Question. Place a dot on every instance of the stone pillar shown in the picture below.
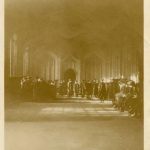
(13, 56)
(57, 68)
(52, 72)
(48, 71)
(26, 62)
(83, 71)
(78, 71)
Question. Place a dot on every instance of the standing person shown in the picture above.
(115, 90)
(35, 89)
(102, 94)
(107, 89)
(83, 88)
(76, 88)
(64, 88)
(52, 87)
(22, 86)
(70, 87)
(29, 88)
(89, 89)
(39, 88)
(110, 91)
(61, 88)
(95, 88)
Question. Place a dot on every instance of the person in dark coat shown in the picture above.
(61, 91)
(115, 90)
(83, 88)
(95, 88)
(52, 87)
(89, 89)
(70, 87)
(35, 90)
(102, 94)
(64, 87)
(76, 88)
(110, 91)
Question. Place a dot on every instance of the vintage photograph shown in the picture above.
(73, 74)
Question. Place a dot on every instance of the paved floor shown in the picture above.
(31, 111)
(71, 125)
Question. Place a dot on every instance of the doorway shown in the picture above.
(70, 74)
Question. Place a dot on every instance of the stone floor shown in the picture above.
(71, 125)
(32, 111)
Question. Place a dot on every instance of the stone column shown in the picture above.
(57, 68)
(47, 71)
(78, 71)
(52, 65)
(13, 56)
(26, 62)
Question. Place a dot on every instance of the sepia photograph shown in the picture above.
(74, 74)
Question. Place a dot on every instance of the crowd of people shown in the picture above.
(37, 88)
(124, 94)
(128, 97)
(86, 88)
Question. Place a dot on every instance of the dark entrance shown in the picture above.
(70, 74)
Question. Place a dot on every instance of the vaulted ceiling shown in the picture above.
(75, 25)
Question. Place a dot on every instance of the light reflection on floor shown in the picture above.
(39, 111)
(92, 108)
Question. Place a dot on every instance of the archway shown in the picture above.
(70, 74)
